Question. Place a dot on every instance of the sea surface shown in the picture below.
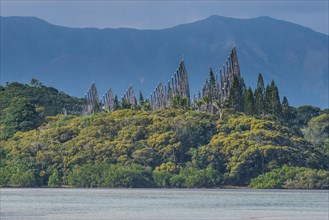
(44, 203)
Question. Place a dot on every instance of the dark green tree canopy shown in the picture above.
(272, 100)
(212, 84)
(249, 102)
(20, 115)
(260, 83)
(141, 98)
(235, 97)
(259, 96)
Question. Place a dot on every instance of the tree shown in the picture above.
(272, 100)
(116, 103)
(48, 101)
(20, 116)
(146, 106)
(97, 107)
(15, 173)
(212, 84)
(288, 112)
(179, 102)
(285, 107)
(317, 132)
(259, 96)
(219, 105)
(305, 113)
(54, 179)
(141, 98)
(198, 103)
(260, 83)
(35, 82)
(235, 97)
(125, 104)
(135, 105)
(249, 102)
(207, 101)
(292, 178)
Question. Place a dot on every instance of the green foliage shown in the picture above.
(163, 174)
(141, 98)
(179, 102)
(20, 115)
(55, 179)
(187, 177)
(17, 174)
(235, 97)
(249, 102)
(146, 106)
(109, 175)
(289, 113)
(192, 177)
(35, 82)
(212, 84)
(259, 96)
(317, 132)
(305, 113)
(208, 102)
(48, 101)
(219, 107)
(272, 100)
(125, 104)
(292, 178)
(121, 137)
(116, 103)
(252, 146)
(171, 147)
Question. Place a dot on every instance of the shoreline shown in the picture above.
(228, 187)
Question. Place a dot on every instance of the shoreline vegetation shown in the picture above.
(74, 187)
(279, 147)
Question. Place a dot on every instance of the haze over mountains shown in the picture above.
(70, 59)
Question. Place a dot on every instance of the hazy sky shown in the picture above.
(161, 14)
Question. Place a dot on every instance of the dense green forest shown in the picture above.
(23, 107)
(253, 139)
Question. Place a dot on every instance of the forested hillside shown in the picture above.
(170, 147)
(24, 107)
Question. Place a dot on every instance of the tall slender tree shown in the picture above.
(287, 111)
(272, 100)
(141, 98)
(259, 96)
(135, 105)
(116, 103)
(260, 82)
(267, 99)
(235, 97)
(249, 102)
(285, 105)
(212, 85)
(212, 91)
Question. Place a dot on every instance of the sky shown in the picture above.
(163, 14)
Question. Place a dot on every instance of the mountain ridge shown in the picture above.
(121, 56)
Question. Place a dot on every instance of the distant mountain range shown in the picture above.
(69, 59)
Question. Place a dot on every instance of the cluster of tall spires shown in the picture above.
(108, 101)
(224, 79)
(178, 85)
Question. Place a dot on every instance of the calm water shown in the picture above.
(163, 204)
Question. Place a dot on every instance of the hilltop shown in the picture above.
(169, 147)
